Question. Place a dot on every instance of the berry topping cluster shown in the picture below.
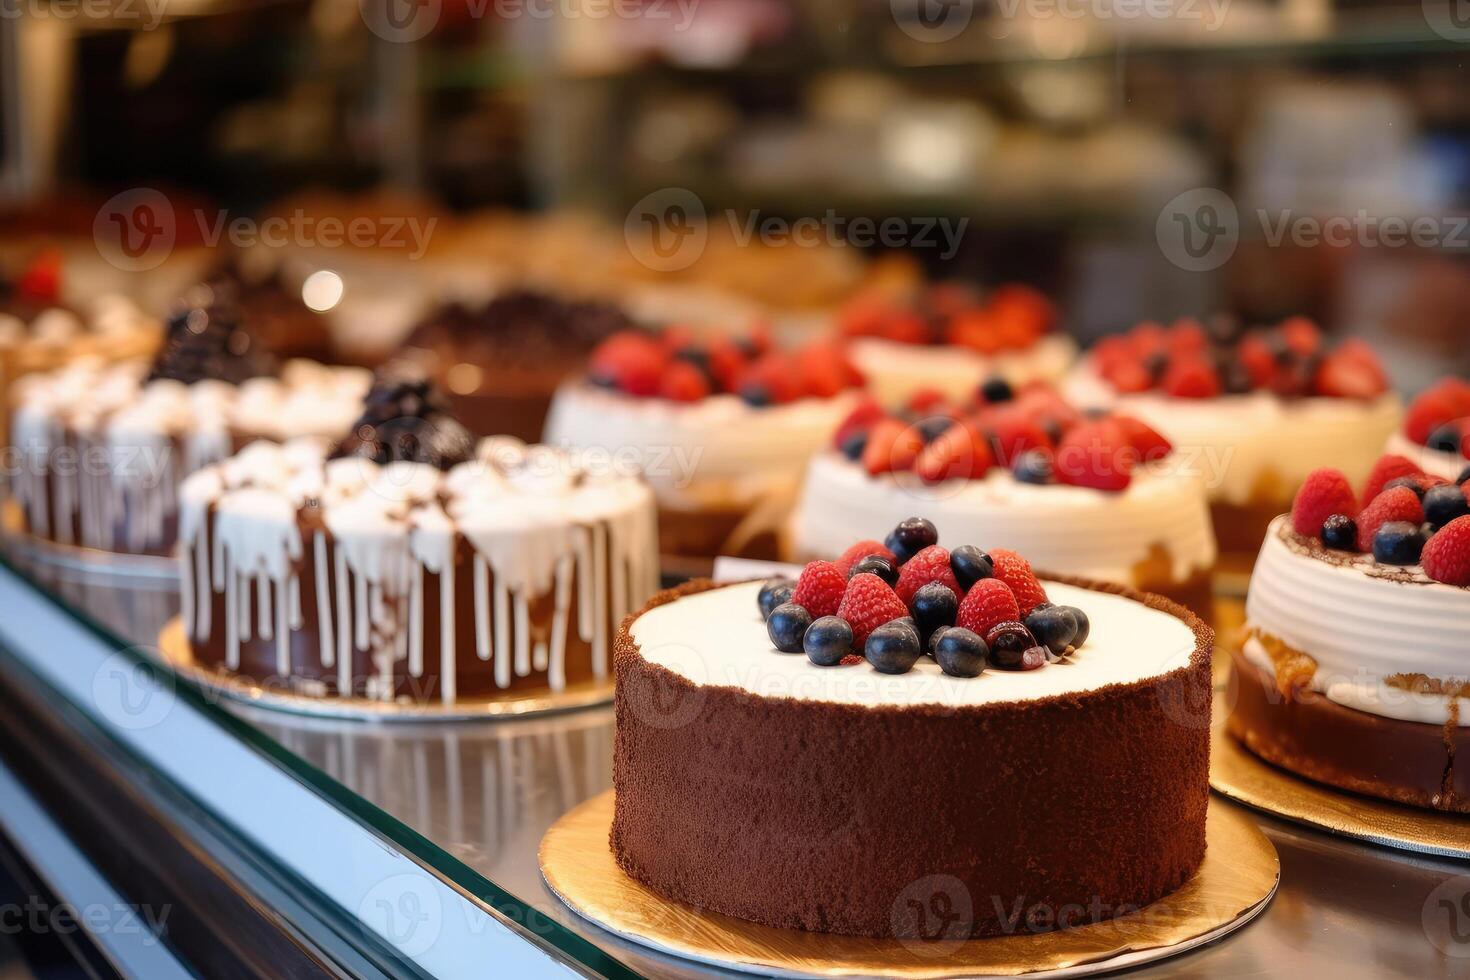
(676, 366)
(37, 285)
(406, 419)
(1440, 418)
(1403, 517)
(1032, 432)
(1191, 360)
(208, 338)
(1007, 318)
(908, 597)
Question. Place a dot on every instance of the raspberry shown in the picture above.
(959, 453)
(631, 361)
(819, 589)
(1443, 402)
(929, 565)
(41, 280)
(1096, 454)
(867, 604)
(822, 369)
(1016, 431)
(1350, 374)
(1301, 336)
(726, 361)
(1324, 493)
(1388, 467)
(1145, 440)
(862, 550)
(1192, 377)
(683, 382)
(926, 401)
(989, 601)
(1446, 557)
(1016, 572)
(860, 419)
(1128, 377)
(893, 446)
(1187, 336)
(1397, 504)
(1259, 362)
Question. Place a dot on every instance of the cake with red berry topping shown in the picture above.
(722, 430)
(100, 449)
(1102, 496)
(1257, 408)
(411, 563)
(1354, 672)
(951, 337)
(909, 715)
(1436, 432)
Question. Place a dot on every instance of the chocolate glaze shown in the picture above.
(405, 418)
(830, 817)
(207, 338)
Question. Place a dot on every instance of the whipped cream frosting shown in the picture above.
(534, 518)
(1239, 443)
(151, 435)
(717, 638)
(109, 316)
(896, 370)
(1069, 530)
(1448, 466)
(1363, 624)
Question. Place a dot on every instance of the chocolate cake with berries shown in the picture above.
(1355, 672)
(721, 429)
(501, 361)
(410, 562)
(951, 337)
(1436, 432)
(1102, 495)
(101, 449)
(1258, 408)
(830, 753)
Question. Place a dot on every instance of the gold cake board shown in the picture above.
(173, 647)
(1238, 877)
(1237, 773)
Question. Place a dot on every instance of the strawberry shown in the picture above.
(893, 446)
(1388, 467)
(906, 328)
(926, 401)
(683, 382)
(1301, 336)
(1187, 336)
(1394, 504)
(867, 604)
(929, 565)
(1191, 377)
(1446, 557)
(1096, 454)
(862, 550)
(959, 453)
(1324, 493)
(770, 379)
(1015, 432)
(822, 369)
(975, 329)
(1128, 377)
(631, 361)
(1350, 375)
(1145, 440)
(1441, 403)
(1016, 572)
(820, 588)
(989, 601)
(1256, 357)
(726, 361)
(861, 418)
(1148, 338)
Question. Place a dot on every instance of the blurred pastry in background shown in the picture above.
(721, 429)
(1256, 409)
(951, 337)
(500, 362)
(1436, 431)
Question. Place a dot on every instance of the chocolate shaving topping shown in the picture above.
(406, 419)
(207, 337)
(519, 328)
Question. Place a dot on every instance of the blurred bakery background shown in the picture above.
(397, 165)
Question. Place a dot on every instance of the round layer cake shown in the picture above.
(1257, 410)
(722, 432)
(758, 784)
(429, 579)
(1355, 672)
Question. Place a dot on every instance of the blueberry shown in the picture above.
(853, 446)
(1341, 532)
(876, 565)
(1033, 466)
(997, 390)
(787, 625)
(1156, 364)
(970, 565)
(934, 606)
(1008, 643)
(1053, 627)
(960, 652)
(933, 427)
(1445, 439)
(1237, 379)
(1443, 504)
(755, 394)
(827, 641)
(1406, 481)
(1398, 543)
(892, 648)
(1084, 626)
(1464, 475)
(911, 536)
(931, 648)
(603, 380)
(775, 592)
